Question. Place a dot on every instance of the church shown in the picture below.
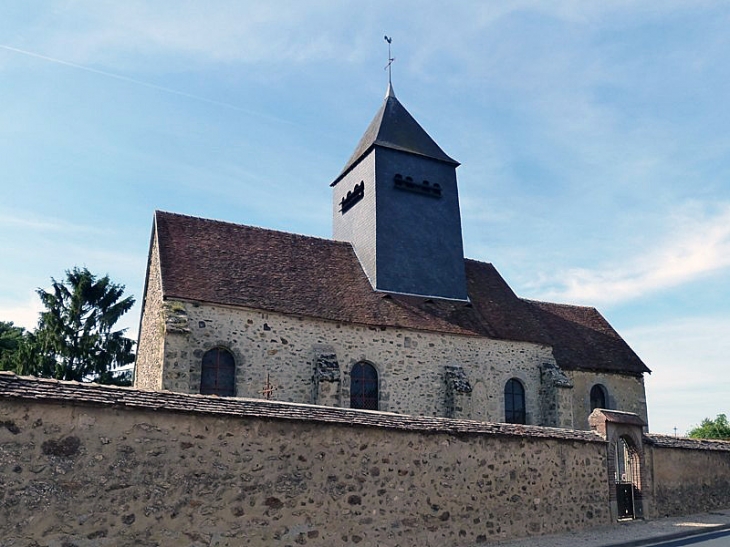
(388, 315)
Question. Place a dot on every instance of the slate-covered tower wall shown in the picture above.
(419, 234)
(357, 224)
(397, 203)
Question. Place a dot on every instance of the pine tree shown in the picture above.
(11, 339)
(75, 339)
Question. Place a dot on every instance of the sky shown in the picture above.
(594, 139)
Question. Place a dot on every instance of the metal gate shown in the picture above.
(627, 480)
(625, 500)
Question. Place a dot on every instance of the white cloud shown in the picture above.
(22, 313)
(289, 31)
(225, 32)
(697, 244)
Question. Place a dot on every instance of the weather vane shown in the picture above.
(390, 59)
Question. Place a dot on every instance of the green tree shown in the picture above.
(11, 339)
(719, 428)
(27, 358)
(75, 339)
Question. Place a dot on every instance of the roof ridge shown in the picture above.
(252, 227)
(559, 304)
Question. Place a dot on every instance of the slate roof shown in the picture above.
(394, 127)
(231, 264)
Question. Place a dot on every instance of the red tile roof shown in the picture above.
(232, 264)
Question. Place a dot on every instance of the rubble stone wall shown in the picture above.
(411, 364)
(92, 465)
(625, 393)
(688, 476)
(150, 349)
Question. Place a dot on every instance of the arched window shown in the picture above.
(364, 386)
(218, 373)
(514, 402)
(598, 397)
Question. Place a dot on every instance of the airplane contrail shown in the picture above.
(142, 83)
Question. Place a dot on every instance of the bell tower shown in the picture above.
(396, 201)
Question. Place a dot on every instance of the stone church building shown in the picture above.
(388, 315)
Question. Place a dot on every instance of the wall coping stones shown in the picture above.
(668, 441)
(58, 391)
(616, 417)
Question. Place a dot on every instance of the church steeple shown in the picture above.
(394, 127)
(396, 201)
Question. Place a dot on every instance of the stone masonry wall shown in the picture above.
(625, 393)
(147, 370)
(91, 465)
(689, 476)
(410, 364)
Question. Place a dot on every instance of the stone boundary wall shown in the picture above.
(46, 390)
(85, 465)
(688, 476)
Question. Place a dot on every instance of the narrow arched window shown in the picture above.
(514, 402)
(218, 373)
(598, 397)
(364, 386)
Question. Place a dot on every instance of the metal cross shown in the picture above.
(269, 388)
(390, 59)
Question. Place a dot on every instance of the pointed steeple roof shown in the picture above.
(393, 127)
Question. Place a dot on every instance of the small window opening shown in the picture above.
(514, 402)
(598, 397)
(218, 373)
(364, 386)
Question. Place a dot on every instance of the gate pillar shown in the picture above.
(626, 466)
